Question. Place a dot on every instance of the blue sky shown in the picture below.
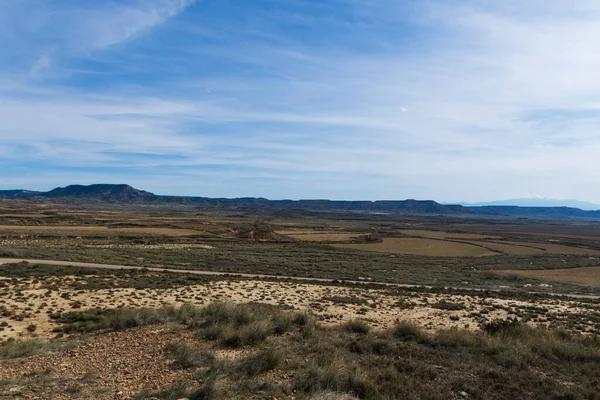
(346, 99)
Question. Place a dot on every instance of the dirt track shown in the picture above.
(190, 271)
(256, 276)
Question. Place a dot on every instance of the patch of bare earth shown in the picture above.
(109, 366)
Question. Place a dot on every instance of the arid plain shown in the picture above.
(353, 277)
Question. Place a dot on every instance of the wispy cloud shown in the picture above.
(469, 101)
(41, 64)
(108, 27)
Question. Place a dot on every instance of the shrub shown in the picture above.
(346, 300)
(186, 356)
(331, 396)
(251, 334)
(282, 322)
(336, 376)
(226, 312)
(177, 391)
(504, 327)
(446, 305)
(22, 348)
(264, 361)
(131, 318)
(119, 319)
(306, 322)
(237, 325)
(408, 332)
(455, 338)
(356, 326)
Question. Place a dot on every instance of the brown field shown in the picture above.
(444, 235)
(159, 231)
(559, 235)
(586, 276)
(301, 231)
(422, 247)
(511, 248)
(324, 237)
(551, 248)
(561, 249)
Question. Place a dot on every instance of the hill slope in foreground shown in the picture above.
(123, 193)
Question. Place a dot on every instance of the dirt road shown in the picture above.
(189, 271)
(257, 276)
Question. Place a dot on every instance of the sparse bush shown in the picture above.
(186, 356)
(211, 389)
(180, 390)
(335, 375)
(119, 319)
(306, 322)
(331, 396)
(264, 361)
(504, 327)
(404, 305)
(446, 305)
(455, 338)
(356, 326)
(23, 348)
(237, 325)
(250, 334)
(346, 300)
(282, 322)
(406, 331)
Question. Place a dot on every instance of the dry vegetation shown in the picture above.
(422, 247)
(444, 235)
(255, 351)
(323, 237)
(87, 230)
(476, 331)
(520, 249)
(40, 295)
(589, 276)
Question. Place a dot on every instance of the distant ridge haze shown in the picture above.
(536, 202)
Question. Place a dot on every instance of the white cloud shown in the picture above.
(491, 100)
(42, 63)
(35, 30)
(107, 27)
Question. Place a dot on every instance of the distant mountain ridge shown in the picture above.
(126, 194)
(535, 212)
(105, 192)
(18, 193)
(538, 202)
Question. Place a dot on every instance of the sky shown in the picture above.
(451, 100)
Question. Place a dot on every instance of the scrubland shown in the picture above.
(500, 308)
